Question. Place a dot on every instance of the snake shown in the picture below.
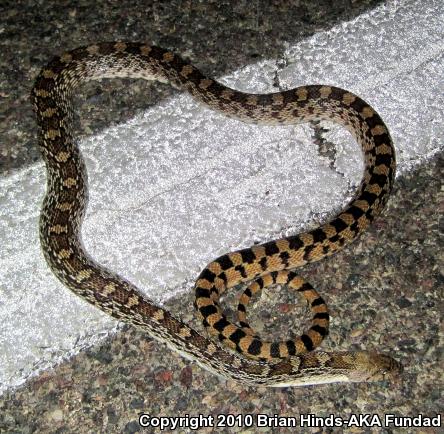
(232, 351)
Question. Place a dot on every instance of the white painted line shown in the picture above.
(179, 185)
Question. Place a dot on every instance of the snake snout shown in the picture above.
(385, 368)
(370, 366)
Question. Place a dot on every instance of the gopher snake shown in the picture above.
(271, 364)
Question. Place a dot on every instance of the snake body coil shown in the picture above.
(271, 364)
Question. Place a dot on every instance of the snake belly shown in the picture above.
(252, 362)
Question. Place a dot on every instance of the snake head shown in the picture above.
(370, 366)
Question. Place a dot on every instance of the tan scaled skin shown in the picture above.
(66, 197)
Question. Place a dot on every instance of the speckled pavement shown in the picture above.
(384, 291)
